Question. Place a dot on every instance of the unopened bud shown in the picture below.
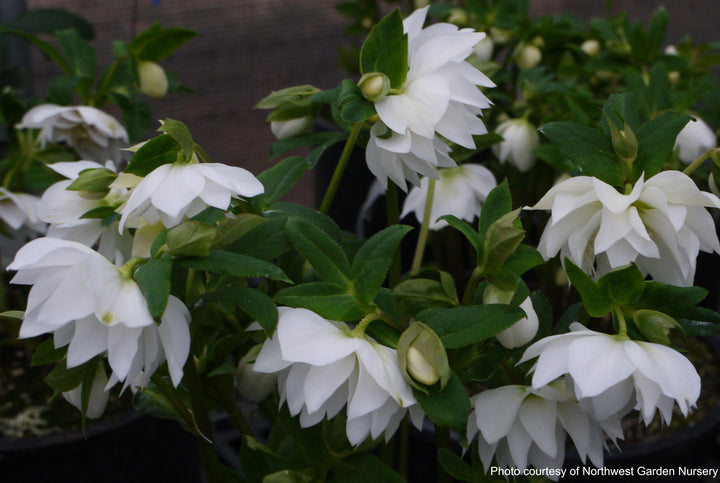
(591, 47)
(522, 331)
(538, 42)
(153, 81)
(528, 57)
(374, 85)
(673, 77)
(291, 127)
(458, 16)
(654, 325)
(422, 356)
(253, 386)
(500, 36)
(624, 141)
(483, 50)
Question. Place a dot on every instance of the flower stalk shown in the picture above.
(340, 168)
(424, 230)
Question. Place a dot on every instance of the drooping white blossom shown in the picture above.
(459, 191)
(520, 137)
(522, 331)
(612, 374)
(661, 225)
(91, 306)
(322, 367)
(92, 133)
(694, 139)
(63, 210)
(291, 127)
(523, 426)
(173, 191)
(18, 210)
(439, 96)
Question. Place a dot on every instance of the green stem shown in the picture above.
(698, 162)
(340, 168)
(622, 324)
(173, 398)
(393, 218)
(105, 83)
(424, 229)
(208, 452)
(189, 285)
(442, 440)
(359, 330)
(471, 286)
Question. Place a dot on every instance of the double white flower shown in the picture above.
(92, 133)
(521, 426)
(440, 95)
(661, 225)
(459, 191)
(85, 301)
(612, 374)
(519, 139)
(173, 191)
(323, 366)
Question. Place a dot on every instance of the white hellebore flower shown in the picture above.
(612, 374)
(19, 210)
(459, 191)
(89, 303)
(99, 395)
(291, 127)
(522, 331)
(694, 139)
(63, 210)
(440, 95)
(661, 225)
(323, 366)
(173, 191)
(520, 137)
(91, 132)
(523, 426)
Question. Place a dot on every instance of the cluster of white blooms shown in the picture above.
(439, 96)
(92, 133)
(661, 225)
(459, 191)
(322, 367)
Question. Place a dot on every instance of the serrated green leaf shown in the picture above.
(622, 285)
(266, 241)
(181, 134)
(232, 228)
(372, 261)
(235, 264)
(418, 294)
(78, 52)
(251, 301)
(190, 239)
(587, 148)
(160, 150)
(501, 240)
(465, 325)
(94, 180)
(329, 300)
(386, 50)
(497, 204)
(156, 43)
(323, 253)
(656, 140)
(597, 303)
(448, 407)
(523, 259)
(470, 234)
(153, 278)
(278, 180)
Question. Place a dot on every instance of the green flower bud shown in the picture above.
(458, 16)
(374, 85)
(251, 385)
(528, 56)
(624, 141)
(591, 47)
(153, 81)
(190, 239)
(654, 325)
(422, 357)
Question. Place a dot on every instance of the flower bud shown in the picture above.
(253, 386)
(591, 47)
(624, 141)
(458, 16)
(522, 331)
(654, 325)
(673, 77)
(528, 57)
(538, 42)
(484, 49)
(153, 81)
(374, 85)
(520, 137)
(500, 36)
(671, 50)
(694, 139)
(422, 356)
(291, 127)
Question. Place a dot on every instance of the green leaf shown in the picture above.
(622, 285)
(279, 179)
(362, 468)
(621, 108)
(657, 29)
(153, 278)
(160, 150)
(454, 465)
(251, 301)
(323, 139)
(386, 50)
(45, 47)
(276, 98)
(329, 300)
(61, 89)
(418, 294)
(323, 253)
(497, 203)
(232, 228)
(314, 217)
(588, 148)
(136, 115)
(656, 140)
(63, 379)
(46, 353)
(501, 239)
(156, 43)
(448, 407)
(234, 264)
(13, 314)
(523, 259)
(465, 325)
(266, 241)
(190, 239)
(372, 261)
(79, 53)
(597, 303)
(462, 226)
(153, 402)
(181, 134)
(95, 180)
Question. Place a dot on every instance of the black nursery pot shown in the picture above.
(129, 447)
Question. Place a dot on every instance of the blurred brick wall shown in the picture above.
(246, 48)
